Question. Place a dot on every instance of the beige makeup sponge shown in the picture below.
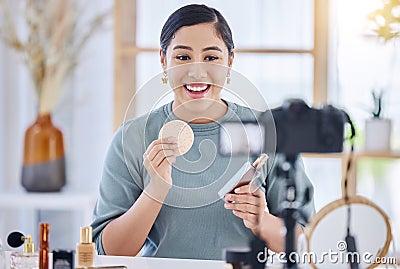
(181, 131)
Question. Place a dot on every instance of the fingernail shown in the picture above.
(234, 212)
(237, 190)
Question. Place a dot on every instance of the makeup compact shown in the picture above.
(244, 176)
(182, 132)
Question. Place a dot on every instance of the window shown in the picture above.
(359, 64)
(276, 47)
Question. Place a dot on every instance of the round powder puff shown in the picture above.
(181, 131)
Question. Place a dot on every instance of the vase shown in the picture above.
(377, 135)
(43, 167)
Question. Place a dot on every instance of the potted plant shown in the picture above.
(385, 21)
(377, 129)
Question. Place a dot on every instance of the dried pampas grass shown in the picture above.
(55, 37)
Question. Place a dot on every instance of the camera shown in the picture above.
(300, 128)
(290, 129)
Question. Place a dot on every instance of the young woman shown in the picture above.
(150, 203)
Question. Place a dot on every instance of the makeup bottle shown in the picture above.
(237, 258)
(63, 259)
(29, 259)
(85, 250)
(44, 230)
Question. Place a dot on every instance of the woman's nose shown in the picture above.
(197, 70)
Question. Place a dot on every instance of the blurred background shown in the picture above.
(322, 51)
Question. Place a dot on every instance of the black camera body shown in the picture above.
(300, 128)
(290, 129)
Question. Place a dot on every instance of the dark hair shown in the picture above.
(191, 15)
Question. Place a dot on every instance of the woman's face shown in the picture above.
(197, 62)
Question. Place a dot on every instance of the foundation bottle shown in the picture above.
(85, 250)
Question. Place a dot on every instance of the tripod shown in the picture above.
(290, 213)
(290, 207)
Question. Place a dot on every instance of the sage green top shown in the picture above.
(192, 222)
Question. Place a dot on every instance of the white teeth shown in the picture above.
(196, 89)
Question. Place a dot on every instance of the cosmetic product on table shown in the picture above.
(63, 259)
(15, 239)
(237, 258)
(28, 259)
(44, 247)
(85, 250)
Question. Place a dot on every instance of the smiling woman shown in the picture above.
(197, 34)
(199, 45)
(154, 202)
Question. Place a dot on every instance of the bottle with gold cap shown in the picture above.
(85, 250)
(29, 259)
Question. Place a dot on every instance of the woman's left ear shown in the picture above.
(162, 60)
(231, 59)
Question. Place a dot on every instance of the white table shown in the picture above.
(156, 263)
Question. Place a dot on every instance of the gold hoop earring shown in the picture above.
(164, 79)
(228, 78)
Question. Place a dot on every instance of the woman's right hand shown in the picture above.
(158, 160)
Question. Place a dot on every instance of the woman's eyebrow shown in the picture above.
(182, 47)
(205, 49)
(212, 48)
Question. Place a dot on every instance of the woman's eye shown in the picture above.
(211, 58)
(183, 57)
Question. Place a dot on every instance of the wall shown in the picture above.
(84, 114)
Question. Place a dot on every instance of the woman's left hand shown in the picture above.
(248, 205)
